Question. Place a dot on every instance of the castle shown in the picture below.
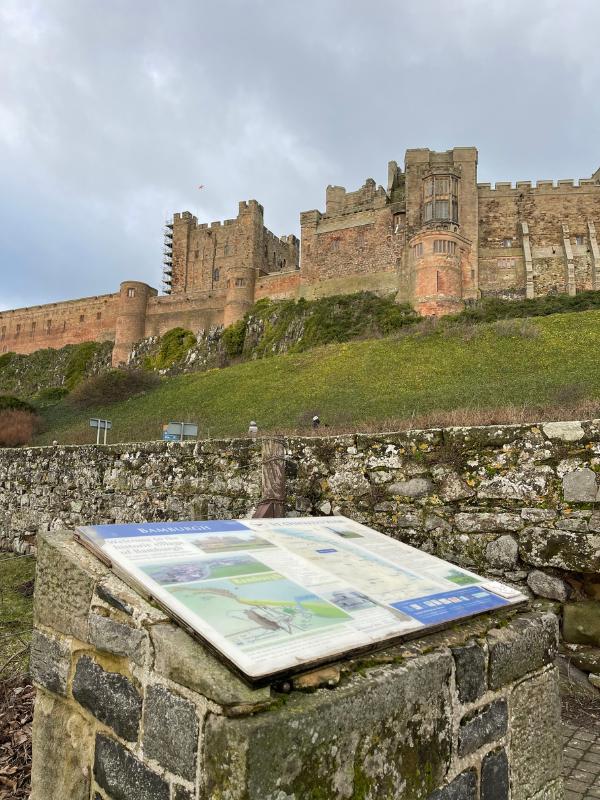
(434, 238)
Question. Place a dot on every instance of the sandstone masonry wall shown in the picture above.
(521, 503)
(129, 707)
(26, 330)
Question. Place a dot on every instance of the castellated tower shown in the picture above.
(130, 325)
(242, 272)
(442, 229)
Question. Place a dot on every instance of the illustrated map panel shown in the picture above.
(273, 596)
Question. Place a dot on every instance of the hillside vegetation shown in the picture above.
(46, 375)
(477, 372)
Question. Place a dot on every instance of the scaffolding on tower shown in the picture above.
(167, 278)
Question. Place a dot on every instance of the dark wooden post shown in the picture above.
(273, 477)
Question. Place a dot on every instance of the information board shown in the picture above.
(276, 596)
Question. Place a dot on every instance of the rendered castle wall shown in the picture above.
(507, 241)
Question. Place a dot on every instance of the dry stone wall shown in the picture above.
(521, 503)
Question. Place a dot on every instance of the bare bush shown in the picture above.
(514, 328)
(111, 387)
(17, 427)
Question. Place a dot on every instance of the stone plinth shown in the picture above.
(130, 707)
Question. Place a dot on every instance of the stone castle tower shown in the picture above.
(434, 237)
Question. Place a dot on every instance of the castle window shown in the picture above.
(65, 325)
(33, 327)
(444, 246)
(240, 282)
(440, 196)
(307, 249)
(397, 223)
(579, 239)
(48, 325)
(82, 316)
(216, 274)
(437, 282)
(506, 243)
(98, 315)
(226, 249)
(506, 263)
(442, 209)
(418, 250)
(18, 329)
(196, 253)
(130, 293)
(335, 244)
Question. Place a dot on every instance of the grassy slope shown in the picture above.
(16, 613)
(358, 382)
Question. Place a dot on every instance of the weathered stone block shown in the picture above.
(546, 547)
(179, 658)
(170, 731)
(538, 514)
(529, 643)
(526, 486)
(49, 662)
(113, 637)
(453, 488)
(62, 751)
(564, 431)
(109, 696)
(120, 774)
(503, 552)
(552, 791)
(415, 487)
(181, 793)
(580, 486)
(476, 522)
(535, 740)
(65, 583)
(495, 782)
(550, 586)
(471, 671)
(483, 726)
(464, 787)
(585, 658)
(371, 737)
(581, 622)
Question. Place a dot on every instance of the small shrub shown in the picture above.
(234, 337)
(78, 363)
(10, 403)
(17, 427)
(51, 395)
(111, 387)
(6, 359)
(174, 346)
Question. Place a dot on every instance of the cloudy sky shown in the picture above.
(112, 112)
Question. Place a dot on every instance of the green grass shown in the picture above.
(357, 383)
(16, 613)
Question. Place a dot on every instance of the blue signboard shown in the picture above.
(447, 606)
(166, 528)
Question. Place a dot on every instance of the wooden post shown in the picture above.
(273, 477)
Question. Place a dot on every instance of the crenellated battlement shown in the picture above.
(567, 184)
